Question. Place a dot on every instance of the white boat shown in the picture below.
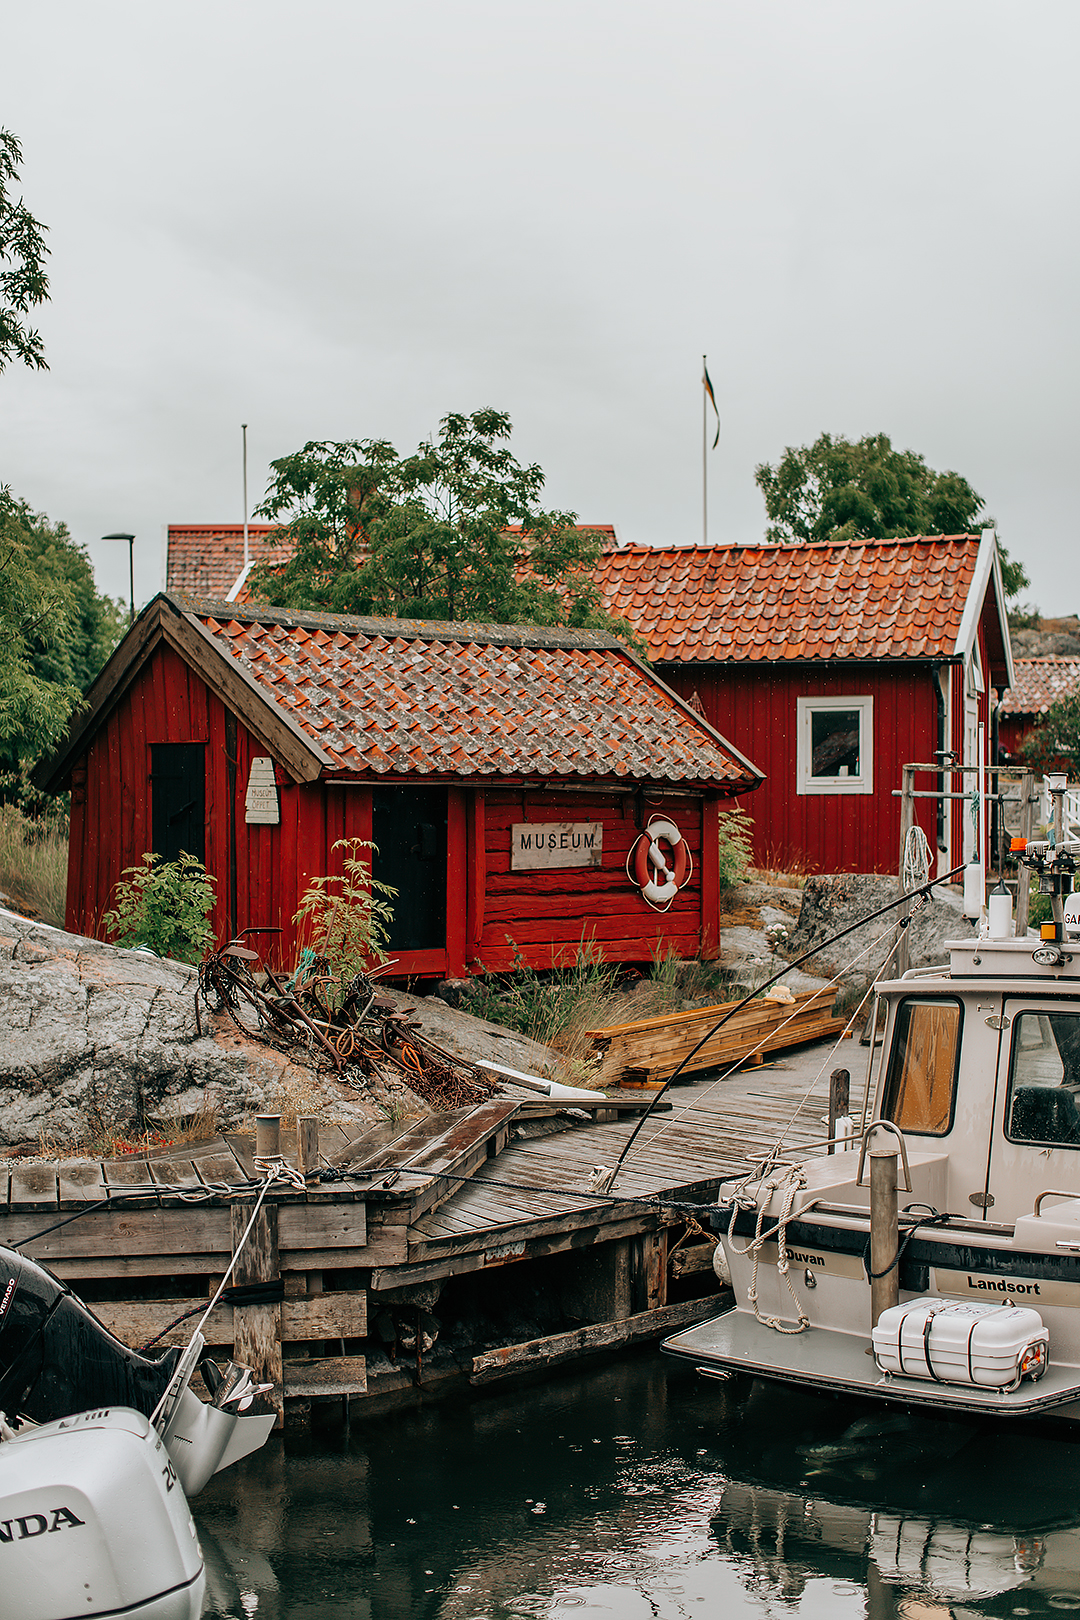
(974, 1108)
(99, 1449)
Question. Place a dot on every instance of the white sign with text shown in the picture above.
(535, 845)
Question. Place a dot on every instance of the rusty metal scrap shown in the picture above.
(336, 1026)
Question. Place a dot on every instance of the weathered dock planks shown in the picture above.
(405, 1205)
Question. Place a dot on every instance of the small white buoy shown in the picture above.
(974, 890)
(1001, 916)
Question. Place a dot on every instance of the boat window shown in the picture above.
(1044, 1079)
(922, 1070)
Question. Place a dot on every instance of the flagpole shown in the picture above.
(704, 461)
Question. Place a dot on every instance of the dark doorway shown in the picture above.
(408, 829)
(178, 799)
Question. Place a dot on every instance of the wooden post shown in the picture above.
(907, 821)
(307, 1145)
(839, 1100)
(267, 1136)
(257, 1328)
(884, 1233)
(1023, 881)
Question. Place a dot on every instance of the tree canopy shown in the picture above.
(1054, 744)
(841, 489)
(453, 531)
(56, 630)
(23, 282)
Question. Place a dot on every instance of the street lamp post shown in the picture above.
(130, 538)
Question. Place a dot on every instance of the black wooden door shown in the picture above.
(408, 829)
(178, 799)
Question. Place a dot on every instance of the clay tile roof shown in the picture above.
(852, 599)
(207, 559)
(1041, 682)
(415, 696)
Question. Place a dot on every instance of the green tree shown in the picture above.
(23, 282)
(454, 531)
(841, 489)
(55, 629)
(1055, 741)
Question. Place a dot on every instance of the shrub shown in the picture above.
(345, 919)
(164, 906)
(736, 845)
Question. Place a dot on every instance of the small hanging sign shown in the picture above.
(537, 844)
(262, 804)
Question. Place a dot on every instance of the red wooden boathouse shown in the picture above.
(255, 738)
(833, 665)
(1039, 683)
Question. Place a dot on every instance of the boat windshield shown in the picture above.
(1044, 1080)
(922, 1070)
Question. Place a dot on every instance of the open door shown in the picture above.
(408, 829)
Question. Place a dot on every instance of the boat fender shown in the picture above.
(721, 1269)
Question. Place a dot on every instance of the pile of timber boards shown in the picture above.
(650, 1048)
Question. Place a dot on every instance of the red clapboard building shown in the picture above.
(1039, 683)
(833, 666)
(257, 738)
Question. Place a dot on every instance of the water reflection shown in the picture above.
(640, 1490)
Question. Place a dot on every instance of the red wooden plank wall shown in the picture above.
(549, 915)
(756, 710)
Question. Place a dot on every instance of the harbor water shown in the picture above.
(636, 1490)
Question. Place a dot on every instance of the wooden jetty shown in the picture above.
(333, 1290)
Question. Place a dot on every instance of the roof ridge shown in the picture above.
(448, 630)
(632, 547)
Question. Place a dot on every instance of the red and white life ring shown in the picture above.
(660, 883)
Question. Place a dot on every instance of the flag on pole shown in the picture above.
(712, 401)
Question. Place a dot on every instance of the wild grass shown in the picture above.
(782, 871)
(559, 1007)
(33, 865)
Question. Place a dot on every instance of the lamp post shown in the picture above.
(130, 538)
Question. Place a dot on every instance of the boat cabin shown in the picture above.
(974, 1097)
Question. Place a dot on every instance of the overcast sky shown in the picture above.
(336, 220)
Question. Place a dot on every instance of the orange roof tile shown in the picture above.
(1040, 682)
(852, 599)
(408, 696)
(206, 559)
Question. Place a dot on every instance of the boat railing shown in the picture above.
(1070, 806)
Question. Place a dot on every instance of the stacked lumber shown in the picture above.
(648, 1049)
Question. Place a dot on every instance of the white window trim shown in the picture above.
(864, 782)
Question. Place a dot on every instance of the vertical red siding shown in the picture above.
(755, 708)
(548, 916)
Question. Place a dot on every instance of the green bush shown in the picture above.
(736, 846)
(346, 919)
(164, 906)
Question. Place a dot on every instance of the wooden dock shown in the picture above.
(345, 1265)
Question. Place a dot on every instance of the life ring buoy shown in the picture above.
(660, 883)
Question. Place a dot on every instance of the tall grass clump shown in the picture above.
(554, 1008)
(33, 861)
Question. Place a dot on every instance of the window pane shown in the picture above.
(834, 742)
(1045, 1079)
(922, 1071)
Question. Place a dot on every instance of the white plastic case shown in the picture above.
(955, 1341)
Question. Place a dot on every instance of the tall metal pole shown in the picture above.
(704, 462)
(130, 538)
(247, 553)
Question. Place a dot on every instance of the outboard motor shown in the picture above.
(57, 1358)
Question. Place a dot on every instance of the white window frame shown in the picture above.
(805, 782)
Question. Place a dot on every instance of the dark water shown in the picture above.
(639, 1490)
